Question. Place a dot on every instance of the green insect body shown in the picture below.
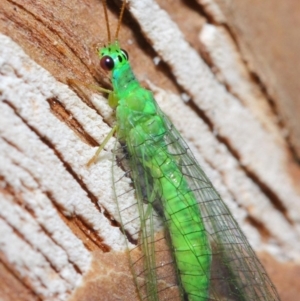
(213, 258)
(142, 127)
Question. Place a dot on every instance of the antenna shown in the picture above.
(106, 20)
(120, 19)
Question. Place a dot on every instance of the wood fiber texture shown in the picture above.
(226, 74)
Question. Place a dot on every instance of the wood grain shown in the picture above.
(59, 233)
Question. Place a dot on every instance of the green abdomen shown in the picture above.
(189, 241)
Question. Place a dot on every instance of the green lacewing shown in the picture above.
(210, 256)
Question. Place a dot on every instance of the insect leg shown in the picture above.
(100, 148)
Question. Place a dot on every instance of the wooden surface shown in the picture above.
(59, 238)
(268, 37)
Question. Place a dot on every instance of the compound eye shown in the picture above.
(125, 53)
(107, 63)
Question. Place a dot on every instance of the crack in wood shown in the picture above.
(23, 282)
(65, 116)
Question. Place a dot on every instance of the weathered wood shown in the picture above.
(58, 236)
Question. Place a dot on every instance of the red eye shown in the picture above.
(107, 63)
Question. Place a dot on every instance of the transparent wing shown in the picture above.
(236, 273)
(151, 260)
